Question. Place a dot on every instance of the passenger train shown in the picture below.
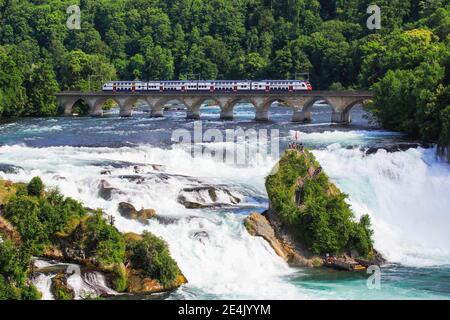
(207, 86)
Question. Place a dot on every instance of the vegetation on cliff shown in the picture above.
(321, 220)
(151, 255)
(15, 261)
(50, 225)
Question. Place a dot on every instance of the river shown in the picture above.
(405, 193)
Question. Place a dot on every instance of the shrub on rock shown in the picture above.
(35, 187)
(151, 254)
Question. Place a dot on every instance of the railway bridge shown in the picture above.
(300, 101)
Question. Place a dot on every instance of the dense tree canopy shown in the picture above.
(225, 39)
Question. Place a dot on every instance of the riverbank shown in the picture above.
(64, 237)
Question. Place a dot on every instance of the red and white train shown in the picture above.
(208, 86)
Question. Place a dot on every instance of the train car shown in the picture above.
(232, 85)
(175, 86)
(125, 86)
(206, 85)
(260, 86)
(225, 85)
(281, 85)
(155, 86)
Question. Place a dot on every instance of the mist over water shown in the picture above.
(405, 193)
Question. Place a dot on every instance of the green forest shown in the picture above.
(406, 62)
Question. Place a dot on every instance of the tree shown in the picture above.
(79, 66)
(35, 187)
(250, 66)
(12, 93)
(151, 254)
(41, 88)
(159, 63)
(290, 60)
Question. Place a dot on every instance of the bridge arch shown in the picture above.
(270, 101)
(66, 105)
(227, 108)
(353, 104)
(264, 109)
(157, 105)
(195, 106)
(93, 105)
(307, 108)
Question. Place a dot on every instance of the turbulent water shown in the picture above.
(405, 193)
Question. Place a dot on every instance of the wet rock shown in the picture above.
(157, 167)
(127, 210)
(258, 226)
(58, 177)
(9, 168)
(92, 282)
(269, 227)
(111, 163)
(60, 289)
(105, 190)
(201, 236)
(207, 197)
(396, 147)
(138, 179)
(139, 284)
(166, 220)
(105, 172)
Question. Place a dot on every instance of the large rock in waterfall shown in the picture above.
(207, 197)
(127, 210)
(142, 277)
(105, 190)
(9, 168)
(282, 242)
(308, 217)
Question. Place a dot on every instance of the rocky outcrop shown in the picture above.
(258, 226)
(200, 236)
(127, 210)
(60, 289)
(300, 222)
(207, 197)
(9, 168)
(268, 227)
(138, 179)
(7, 231)
(105, 190)
(139, 284)
(396, 147)
(138, 280)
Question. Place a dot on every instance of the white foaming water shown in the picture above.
(89, 285)
(406, 193)
(43, 283)
(358, 137)
(224, 261)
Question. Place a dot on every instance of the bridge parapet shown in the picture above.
(301, 102)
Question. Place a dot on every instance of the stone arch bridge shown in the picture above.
(301, 102)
